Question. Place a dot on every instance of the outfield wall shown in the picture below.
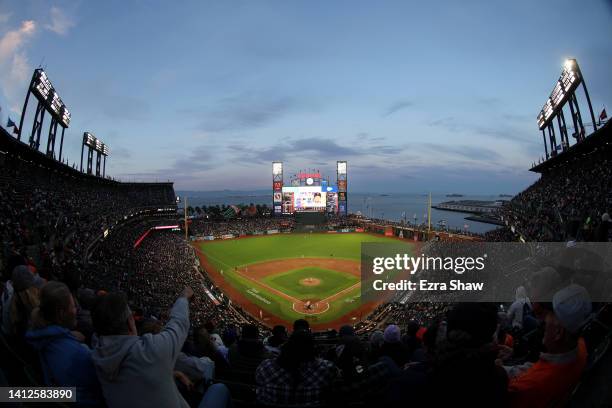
(268, 232)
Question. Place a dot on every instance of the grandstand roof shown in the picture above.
(9, 144)
(599, 139)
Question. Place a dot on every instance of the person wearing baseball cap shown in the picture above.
(551, 379)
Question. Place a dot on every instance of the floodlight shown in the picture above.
(65, 115)
(41, 87)
(567, 83)
(90, 140)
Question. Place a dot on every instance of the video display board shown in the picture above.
(307, 198)
(332, 203)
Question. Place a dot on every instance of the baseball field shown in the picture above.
(282, 277)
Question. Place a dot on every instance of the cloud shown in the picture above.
(12, 41)
(185, 167)
(323, 147)
(489, 102)
(60, 22)
(121, 153)
(123, 107)
(466, 151)
(318, 148)
(396, 107)
(245, 111)
(14, 66)
(200, 159)
(504, 130)
(449, 123)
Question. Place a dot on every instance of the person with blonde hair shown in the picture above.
(25, 298)
(65, 361)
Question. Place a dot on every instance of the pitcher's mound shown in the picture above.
(310, 282)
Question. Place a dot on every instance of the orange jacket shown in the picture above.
(549, 381)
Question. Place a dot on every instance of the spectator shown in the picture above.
(424, 356)
(86, 301)
(7, 291)
(138, 371)
(65, 361)
(276, 340)
(377, 339)
(248, 352)
(602, 232)
(410, 339)
(296, 376)
(25, 298)
(349, 354)
(393, 346)
(542, 286)
(220, 346)
(230, 336)
(208, 346)
(520, 310)
(552, 378)
(464, 365)
(301, 324)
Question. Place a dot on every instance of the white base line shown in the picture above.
(296, 300)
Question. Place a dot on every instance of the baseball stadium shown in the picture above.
(218, 205)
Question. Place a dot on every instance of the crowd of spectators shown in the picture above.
(142, 325)
(203, 227)
(97, 343)
(152, 273)
(52, 215)
(572, 202)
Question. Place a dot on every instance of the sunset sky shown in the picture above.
(441, 96)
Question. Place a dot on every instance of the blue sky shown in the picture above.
(440, 96)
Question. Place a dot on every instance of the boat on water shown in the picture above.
(454, 195)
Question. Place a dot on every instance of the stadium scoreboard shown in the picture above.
(309, 191)
(310, 199)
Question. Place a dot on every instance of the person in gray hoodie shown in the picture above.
(138, 371)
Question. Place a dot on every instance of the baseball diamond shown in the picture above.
(283, 277)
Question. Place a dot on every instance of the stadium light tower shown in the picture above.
(564, 92)
(48, 101)
(572, 64)
(93, 144)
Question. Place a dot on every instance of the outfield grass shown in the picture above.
(236, 252)
(227, 254)
(331, 282)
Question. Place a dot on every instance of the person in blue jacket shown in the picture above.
(65, 360)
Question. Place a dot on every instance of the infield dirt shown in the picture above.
(260, 270)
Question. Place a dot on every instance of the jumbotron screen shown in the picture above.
(307, 199)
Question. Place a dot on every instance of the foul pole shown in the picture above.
(429, 214)
(186, 226)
